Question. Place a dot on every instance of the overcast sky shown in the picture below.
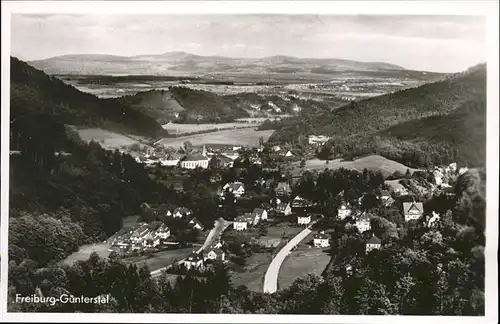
(431, 43)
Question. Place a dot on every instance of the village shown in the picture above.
(280, 209)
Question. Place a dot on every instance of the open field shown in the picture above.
(85, 251)
(106, 139)
(282, 230)
(160, 259)
(176, 129)
(301, 262)
(371, 162)
(253, 274)
(245, 136)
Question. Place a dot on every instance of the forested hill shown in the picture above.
(184, 105)
(34, 92)
(416, 126)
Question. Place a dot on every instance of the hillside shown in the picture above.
(185, 105)
(441, 118)
(34, 92)
(185, 63)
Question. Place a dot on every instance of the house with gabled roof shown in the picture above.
(374, 243)
(283, 189)
(385, 195)
(195, 223)
(162, 232)
(215, 254)
(194, 260)
(236, 188)
(413, 210)
(363, 222)
(321, 240)
(284, 209)
(240, 223)
(299, 202)
(180, 212)
(344, 211)
(260, 214)
(304, 219)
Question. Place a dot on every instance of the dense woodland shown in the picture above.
(432, 124)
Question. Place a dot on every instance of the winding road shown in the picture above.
(271, 277)
(213, 236)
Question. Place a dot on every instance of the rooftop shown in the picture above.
(374, 240)
(194, 157)
(407, 206)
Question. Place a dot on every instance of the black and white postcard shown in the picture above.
(253, 161)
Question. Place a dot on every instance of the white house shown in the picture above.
(240, 223)
(193, 161)
(321, 240)
(299, 202)
(385, 196)
(195, 260)
(194, 223)
(276, 148)
(260, 213)
(216, 254)
(236, 188)
(344, 211)
(284, 209)
(304, 220)
(374, 243)
(283, 189)
(180, 212)
(363, 223)
(413, 210)
(162, 232)
(288, 154)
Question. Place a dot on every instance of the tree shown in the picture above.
(302, 163)
(186, 148)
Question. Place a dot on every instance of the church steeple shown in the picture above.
(204, 152)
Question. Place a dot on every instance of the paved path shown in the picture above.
(271, 277)
(212, 237)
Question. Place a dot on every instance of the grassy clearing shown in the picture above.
(304, 260)
(160, 259)
(107, 139)
(286, 230)
(244, 136)
(85, 251)
(372, 162)
(177, 129)
(252, 275)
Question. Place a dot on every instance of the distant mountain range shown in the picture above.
(434, 123)
(183, 63)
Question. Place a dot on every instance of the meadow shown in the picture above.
(302, 261)
(244, 136)
(372, 162)
(107, 139)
